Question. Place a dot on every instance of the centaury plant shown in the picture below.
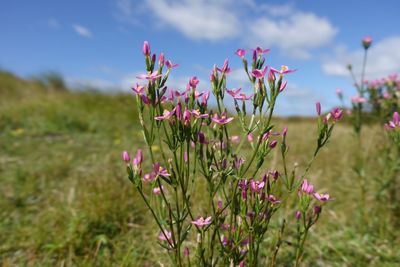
(376, 100)
(190, 143)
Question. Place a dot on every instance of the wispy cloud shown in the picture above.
(383, 59)
(82, 31)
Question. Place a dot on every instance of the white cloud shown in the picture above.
(82, 31)
(295, 34)
(383, 59)
(198, 19)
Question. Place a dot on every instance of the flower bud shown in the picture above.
(126, 157)
(284, 132)
(186, 252)
(318, 107)
(271, 76)
(161, 59)
(317, 210)
(366, 42)
(349, 66)
(250, 137)
(273, 144)
(298, 215)
(146, 49)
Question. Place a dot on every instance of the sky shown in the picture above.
(99, 43)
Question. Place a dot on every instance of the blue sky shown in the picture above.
(99, 42)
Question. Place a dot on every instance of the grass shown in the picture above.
(65, 199)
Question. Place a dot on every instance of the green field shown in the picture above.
(65, 199)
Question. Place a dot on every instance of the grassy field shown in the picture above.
(65, 199)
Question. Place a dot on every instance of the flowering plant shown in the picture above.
(228, 224)
(377, 99)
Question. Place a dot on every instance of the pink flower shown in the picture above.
(306, 187)
(146, 48)
(166, 115)
(243, 184)
(165, 235)
(160, 171)
(152, 76)
(396, 119)
(284, 70)
(259, 73)
(225, 68)
(204, 98)
(394, 123)
(256, 186)
(386, 95)
(260, 50)
(366, 42)
(318, 108)
(202, 222)
(337, 114)
(339, 91)
(137, 161)
(250, 137)
(235, 139)
(241, 52)
(157, 190)
(233, 92)
(358, 99)
(126, 157)
(149, 177)
(322, 197)
(243, 97)
(138, 89)
(193, 82)
(196, 113)
(169, 64)
(272, 199)
(186, 117)
(221, 119)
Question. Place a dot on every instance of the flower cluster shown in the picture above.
(194, 139)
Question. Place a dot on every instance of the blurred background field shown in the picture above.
(65, 199)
